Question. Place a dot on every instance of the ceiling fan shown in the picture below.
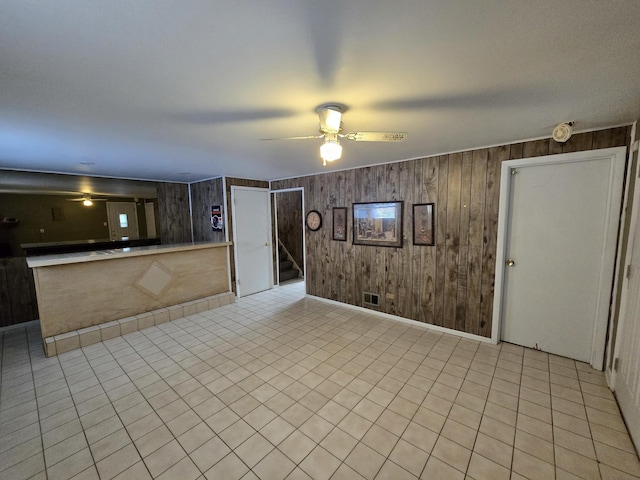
(86, 200)
(330, 118)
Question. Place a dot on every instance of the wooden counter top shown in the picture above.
(81, 257)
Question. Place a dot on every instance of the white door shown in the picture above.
(627, 380)
(626, 372)
(559, 253)
(123, 220)
(252, 239)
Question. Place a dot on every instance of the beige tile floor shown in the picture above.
(278, 386)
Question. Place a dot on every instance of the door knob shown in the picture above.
(510, 262)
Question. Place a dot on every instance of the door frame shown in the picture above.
(623, 281)
(304, 237)
(235, 188)
(617, 156)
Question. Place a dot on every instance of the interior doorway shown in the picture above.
(150, 217)
(122, 218)
(558, 225)
(289, 235)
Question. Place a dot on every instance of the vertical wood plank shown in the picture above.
(430, 182)
(476, 239)
(578, 143)
(341, 266)
(392, 254)
(535, 148)
(357, 191)
(612, 137)
(452, 240)
(418, 274)
(554, 147)
(336, 186)
(405, 260)
(326, 194)
(320, 205)
(6, 317)
(379, 254)
(515, 151)
(441, 239)
(462, 267)
(495, 157)
(349, 251)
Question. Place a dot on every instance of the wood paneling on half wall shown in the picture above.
(174, 213)
(237, 182)
(203, 196)
(449, 284)
(18, 302)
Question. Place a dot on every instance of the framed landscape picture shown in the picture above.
(423, 224)
(340, 224)
(378, 224)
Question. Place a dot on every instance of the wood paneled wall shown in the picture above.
(450, 284)
(174, 213)
(203, 196)
(237, 182)
(289, 205)
(18, 302)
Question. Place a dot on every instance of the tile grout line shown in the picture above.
(44, 460)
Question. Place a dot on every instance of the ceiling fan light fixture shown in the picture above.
(87, 202)
(331, 149)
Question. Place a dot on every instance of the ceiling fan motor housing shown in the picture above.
(330, 117)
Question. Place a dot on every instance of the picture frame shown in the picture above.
(423, 224)
(340, 224)
(378, 224)
(216, 218)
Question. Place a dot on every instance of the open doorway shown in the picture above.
(288, 206)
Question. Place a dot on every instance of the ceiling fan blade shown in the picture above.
(213, 117)
(87, 198)
(308, 137)
(376, 136)
(326, 37)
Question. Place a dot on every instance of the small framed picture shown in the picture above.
(340, 224)
(423, 224)
(377, 224)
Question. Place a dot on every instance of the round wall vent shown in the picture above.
(562, 132)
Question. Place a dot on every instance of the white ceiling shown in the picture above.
(183, 90)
